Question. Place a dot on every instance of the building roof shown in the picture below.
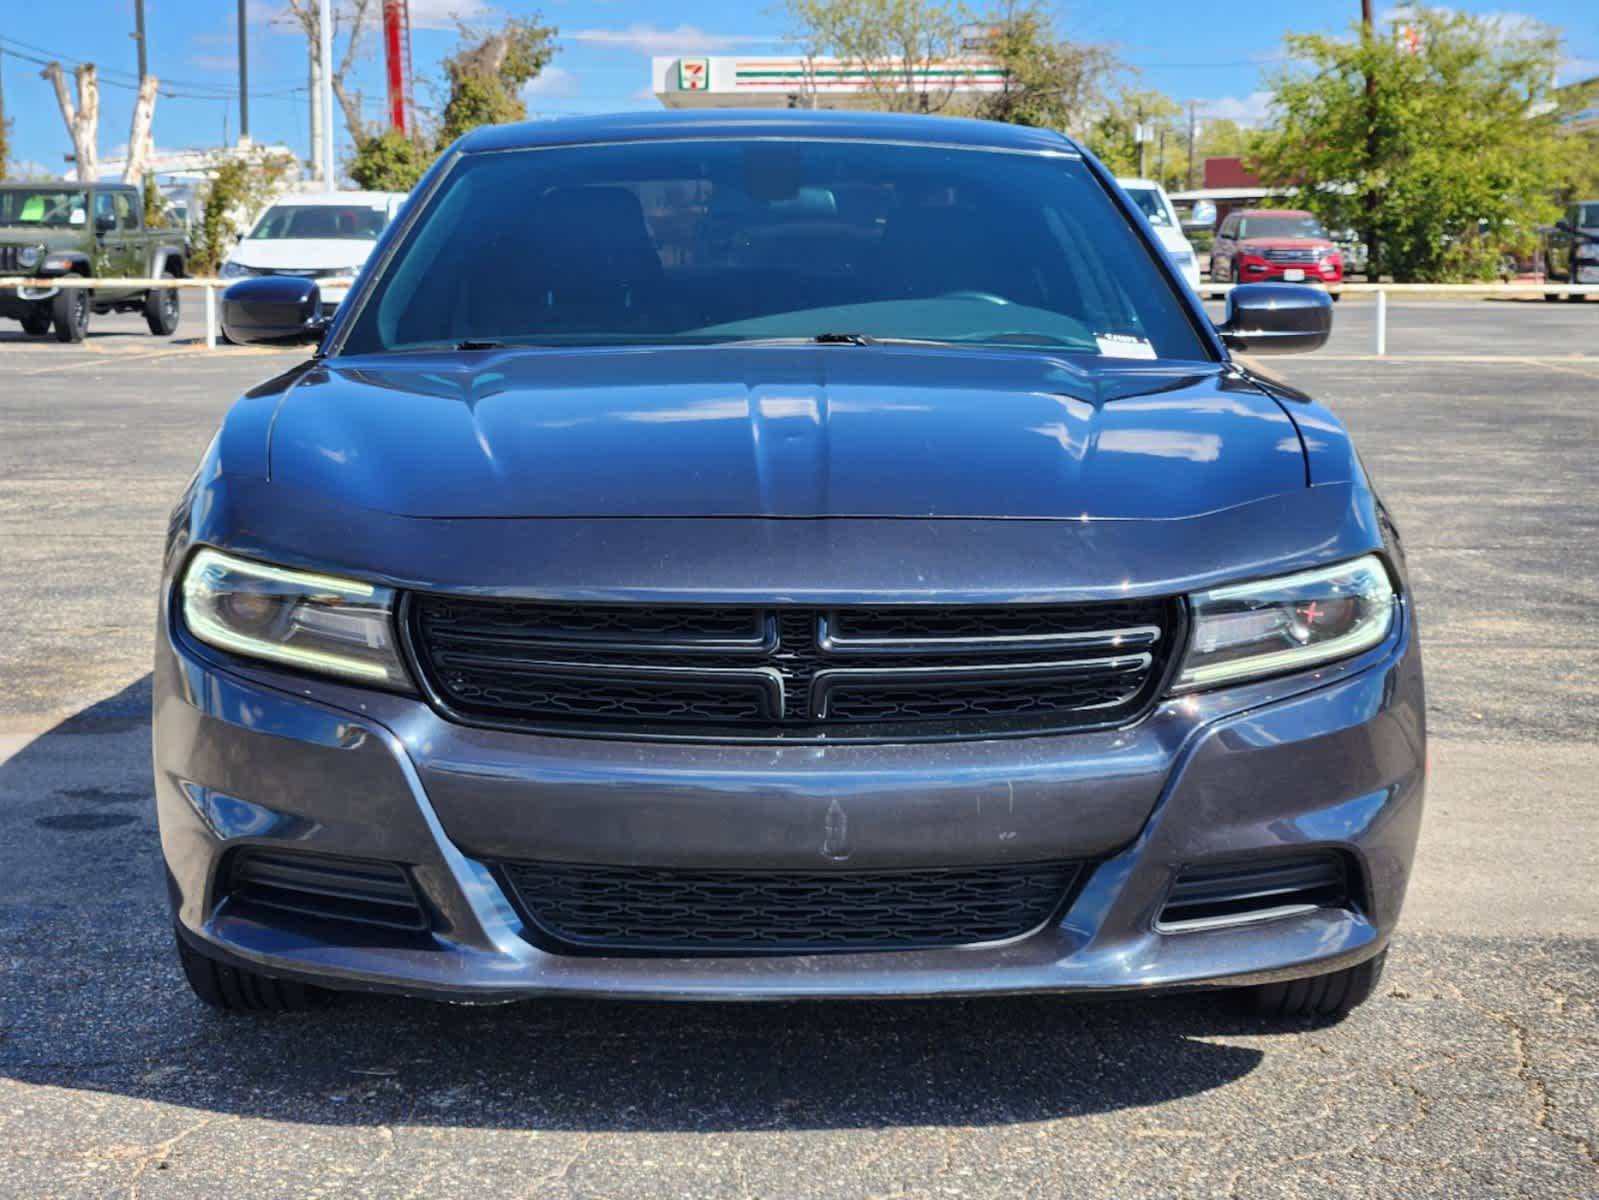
(787, 123)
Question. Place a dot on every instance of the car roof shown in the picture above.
(785, 123)
(1274, 212)
(332, 198)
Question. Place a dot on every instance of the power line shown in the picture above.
(172, 89)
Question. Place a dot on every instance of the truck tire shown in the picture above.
(37, 324)
(69, 312)
(161, 307)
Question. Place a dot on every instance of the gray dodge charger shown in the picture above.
(771, 555)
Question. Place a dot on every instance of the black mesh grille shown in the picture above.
(657, 910)
(791, 672)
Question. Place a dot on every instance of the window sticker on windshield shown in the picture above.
(1124, 345)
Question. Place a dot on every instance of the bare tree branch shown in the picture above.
(139, 131)
(83, 121)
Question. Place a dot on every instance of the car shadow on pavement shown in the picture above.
(93, 999)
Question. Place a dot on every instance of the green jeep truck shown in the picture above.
(96, 230)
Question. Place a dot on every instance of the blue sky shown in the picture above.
(1211, 53)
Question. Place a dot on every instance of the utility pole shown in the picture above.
(138, 36)
(1373, 267)
(1192, 117)
(325, 84)
(315, 80)
(244, 79)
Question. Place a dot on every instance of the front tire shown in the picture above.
(233, 989)
(69, 313)
(161, 307)
(1325, 997)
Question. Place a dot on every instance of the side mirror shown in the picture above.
(1277, 318)
(274, 310)
(105, 224)
(1563, 225)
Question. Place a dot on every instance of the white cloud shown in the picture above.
(443, 14)
(553, 83)
(650, 39)
(425, 14)
(1246, 110)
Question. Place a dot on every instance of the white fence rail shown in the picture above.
(1382, 291)
(1463, 291)
(209, 286)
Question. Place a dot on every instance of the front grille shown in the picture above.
(10, 260)
(1292, 257)
(350, 891)
(650, 910)
(865, 673)
(1220, 894)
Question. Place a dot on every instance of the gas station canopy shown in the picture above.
(778, 82)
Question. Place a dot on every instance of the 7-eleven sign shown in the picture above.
(693, 74)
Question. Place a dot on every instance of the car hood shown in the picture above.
(780, 432)
(320, 254)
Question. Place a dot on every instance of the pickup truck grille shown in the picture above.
(856, 673)
(1293, 257)
(10, 260)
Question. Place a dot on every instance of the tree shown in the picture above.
(83, 118)
(1049, 82)
(354, 12)
(893, 43)
(242, 183)
(155, 205)
(1456, 148)
(391, 162)
(1113, 136)
(487, 74)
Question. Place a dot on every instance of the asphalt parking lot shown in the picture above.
(1473, 1072)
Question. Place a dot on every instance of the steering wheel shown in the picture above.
(988, 297)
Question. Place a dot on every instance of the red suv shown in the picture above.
(1256, 245)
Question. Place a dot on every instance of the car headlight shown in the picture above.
(233, 270)
(298, 618)
(28, 257)
(1250, 630)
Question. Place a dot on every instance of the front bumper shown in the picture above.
(1251, 272)
(252, 757)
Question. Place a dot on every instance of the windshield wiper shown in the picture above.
(845, 339)
(479, 344)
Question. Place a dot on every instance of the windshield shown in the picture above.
(1288, 225)
(1148, 199)
(697, 241)
(50, 207)
(353, 222)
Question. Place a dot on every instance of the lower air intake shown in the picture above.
(352, 891)
(647, 910)
(1236, 893)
